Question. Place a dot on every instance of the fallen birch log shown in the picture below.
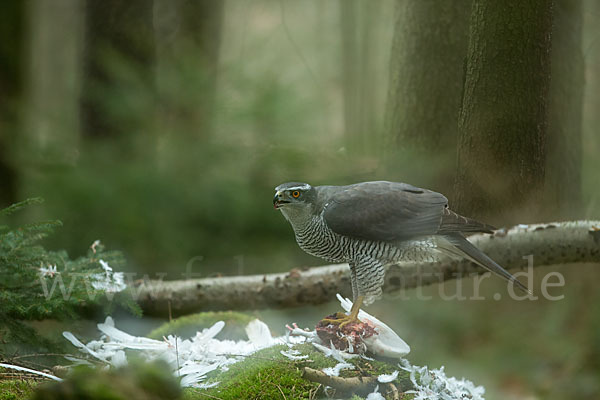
(544, 244)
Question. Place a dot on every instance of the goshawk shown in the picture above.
(371, 224)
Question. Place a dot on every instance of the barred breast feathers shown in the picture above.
(317, 239)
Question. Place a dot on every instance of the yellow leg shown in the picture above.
(343, 319)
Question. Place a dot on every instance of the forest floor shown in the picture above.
(266, 374)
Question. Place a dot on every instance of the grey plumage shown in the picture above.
(371, 224)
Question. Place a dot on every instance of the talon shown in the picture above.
(342, 319)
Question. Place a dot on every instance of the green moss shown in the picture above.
(16, 389)
(187, 326)
(268, 374)
(263, 375)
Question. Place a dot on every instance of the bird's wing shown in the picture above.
(453, 222)
(386, 211)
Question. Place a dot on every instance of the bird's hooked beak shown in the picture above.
(278, 200)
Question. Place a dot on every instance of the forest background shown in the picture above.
(161, 128)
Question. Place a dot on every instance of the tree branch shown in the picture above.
(550, 244)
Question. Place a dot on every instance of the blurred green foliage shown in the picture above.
(142, 381)
(16, 389)
(165, 193)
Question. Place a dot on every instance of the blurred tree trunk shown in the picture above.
(565, 107)
(502, 123)
(425, 90)
(360, 37)
(188, 37)
(12, 18)
(350, 75)
(426, 77)
(119, 49)
(591, 108)
(49, 124)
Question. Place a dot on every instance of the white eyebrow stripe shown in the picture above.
(303, 187)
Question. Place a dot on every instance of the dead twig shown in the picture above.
(394, 391)
(200, 392)
(280, 391)
(344, 385)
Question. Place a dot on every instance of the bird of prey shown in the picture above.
(371, 224)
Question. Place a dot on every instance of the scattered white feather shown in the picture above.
(50, 270)
(435, 385)
(259, 334)
(31, 371)
(293, 355)
(117, 338)
(194, 373)
(191, 380)
(74, 341)
(193, 359)
(375, 395)
(109, 281)
(190, 359)
(195, 368)
(335, 353)
(387, 378)
(335, 371)
(71, 338)
(338, 354)
(206, 385)
(211, 332)
(105, 266)
(119, 359)
(108, 328)
(297, 331)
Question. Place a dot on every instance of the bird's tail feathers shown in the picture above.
(443, 246)
(460, 243)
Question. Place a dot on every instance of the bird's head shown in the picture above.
(294, 197)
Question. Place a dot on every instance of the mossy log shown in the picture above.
(549, 244)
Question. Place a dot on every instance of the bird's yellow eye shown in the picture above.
(295, 194)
